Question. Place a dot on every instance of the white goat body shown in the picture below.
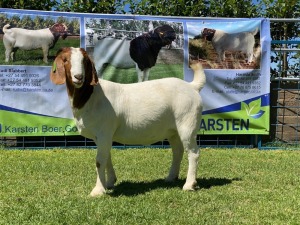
(112, 51)
(136, 117)
(24, 39)
(141, 113)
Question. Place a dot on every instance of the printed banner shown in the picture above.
(234, 52)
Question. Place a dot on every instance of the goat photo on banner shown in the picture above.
(133, 48)
(226, 45)
(34, 40)
(237, 68)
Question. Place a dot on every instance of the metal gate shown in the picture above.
(285, 88)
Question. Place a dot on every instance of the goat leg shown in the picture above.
(193, 155)
(177, 151)
(101, 162)
(111, 175)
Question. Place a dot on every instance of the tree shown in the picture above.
(29, 4)
(89, 6)
(38, 22)
(166, 7)
(232, 8)
(284, 31)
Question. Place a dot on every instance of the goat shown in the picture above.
(24, 39)
(139, 113)
(222, 41)
(141, 52)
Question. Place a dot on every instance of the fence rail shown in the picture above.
(42, 142)
(285, 97)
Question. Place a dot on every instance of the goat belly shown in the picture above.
(141, 136)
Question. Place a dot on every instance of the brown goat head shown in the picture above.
(61, 69)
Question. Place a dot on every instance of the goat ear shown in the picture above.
(95, 79)
(58, 75)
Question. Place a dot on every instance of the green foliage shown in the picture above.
(236, 186)
(29, 4)
(167, 7)
(284, 31)
(232, 8)
(212, 8)
(88, 6)
(283, 9)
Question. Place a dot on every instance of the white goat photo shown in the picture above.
(140, 113)
(236, 42)
(19, 38)
(228, 45)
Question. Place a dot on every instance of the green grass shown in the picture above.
(236, 186)
(130, 75)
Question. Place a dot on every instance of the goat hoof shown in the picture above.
(97, 192)
(111, 184)
(111, 187)
(190, 187)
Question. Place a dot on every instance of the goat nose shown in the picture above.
(78, 76)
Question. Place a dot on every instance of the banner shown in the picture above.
(235, 54)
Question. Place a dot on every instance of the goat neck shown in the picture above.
(81, 95)
(59, 30)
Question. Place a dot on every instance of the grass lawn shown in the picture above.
(130, 75)
(236, 186)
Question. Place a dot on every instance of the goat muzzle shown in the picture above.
(78, 81)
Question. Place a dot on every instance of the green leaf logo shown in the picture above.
(253, 108)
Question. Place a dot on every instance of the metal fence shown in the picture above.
(285, 111)
(284, 90)
(42, 142)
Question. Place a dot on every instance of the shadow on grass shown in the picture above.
(129, 188)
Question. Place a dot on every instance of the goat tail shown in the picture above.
(254, 32)
(5, 28)
(199, 76)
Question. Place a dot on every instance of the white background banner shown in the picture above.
(234, 52)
